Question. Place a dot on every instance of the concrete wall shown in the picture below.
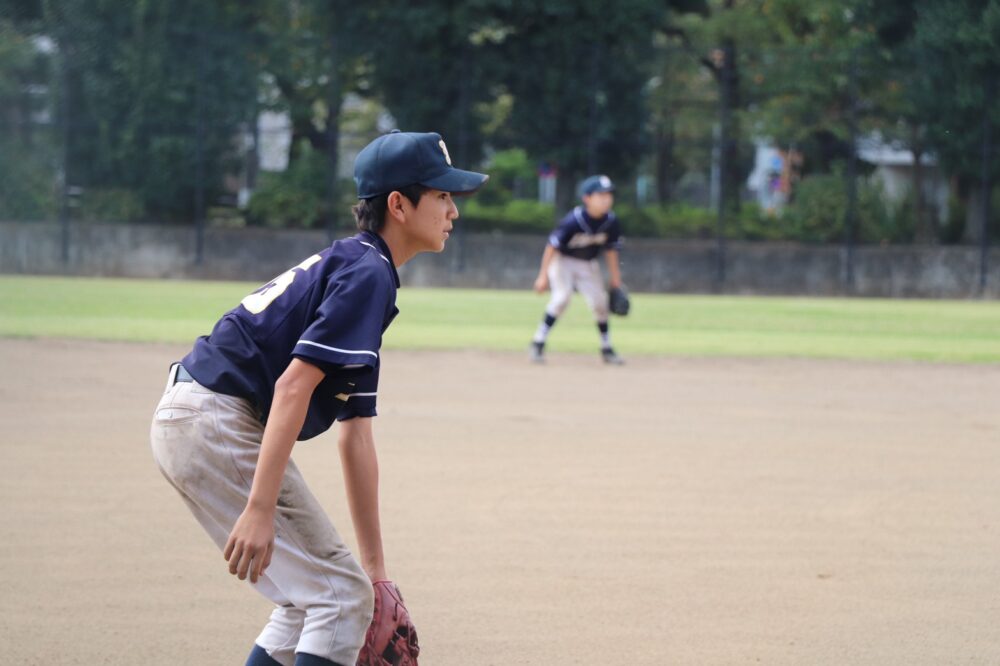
(505, 261)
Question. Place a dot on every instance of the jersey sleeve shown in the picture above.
(361, 399)
(347, 328)
(561, 235)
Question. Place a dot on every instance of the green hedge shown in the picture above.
(111, 205)
(515, 216)
(819, 211)
(815, 216)
(296, 198)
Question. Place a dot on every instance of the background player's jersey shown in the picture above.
(331, 310)
(582, 237)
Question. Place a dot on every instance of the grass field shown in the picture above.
(178, 311)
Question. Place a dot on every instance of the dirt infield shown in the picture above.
(674, 511)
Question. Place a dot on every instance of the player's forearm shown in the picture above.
(360, 463)
(288, 413)
(546, 259)
(614, 268)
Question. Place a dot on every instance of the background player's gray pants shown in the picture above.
(567, 273)
(206, 445)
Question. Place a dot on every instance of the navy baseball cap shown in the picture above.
(595, 184)
(398, 159)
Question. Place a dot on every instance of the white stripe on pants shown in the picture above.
(206, 444)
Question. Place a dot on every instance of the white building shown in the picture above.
(894, 162)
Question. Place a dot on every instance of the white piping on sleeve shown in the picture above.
(337, 349)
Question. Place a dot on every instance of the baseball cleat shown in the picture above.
(538, 352)
(611, 358)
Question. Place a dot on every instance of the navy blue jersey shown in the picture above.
(331, 310)
(582, 237)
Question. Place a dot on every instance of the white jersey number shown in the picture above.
(258, 301)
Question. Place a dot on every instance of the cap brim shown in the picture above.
(457, 181)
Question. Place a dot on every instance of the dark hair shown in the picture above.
(369, 214)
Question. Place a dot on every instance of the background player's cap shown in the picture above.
(596, 184)
(399, 159)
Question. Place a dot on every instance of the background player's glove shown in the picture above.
(391, 639)
(618, 301)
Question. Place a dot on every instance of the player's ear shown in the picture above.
(394, 207)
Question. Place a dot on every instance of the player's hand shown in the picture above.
(250, 544)
(541, 283)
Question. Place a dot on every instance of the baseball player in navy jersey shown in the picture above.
(570, 263)
(294, 356)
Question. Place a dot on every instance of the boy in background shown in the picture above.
(570, 263)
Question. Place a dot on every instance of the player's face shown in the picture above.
(431, 220)
(599, 203)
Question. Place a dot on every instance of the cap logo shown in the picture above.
(605, 181)
(444, 149)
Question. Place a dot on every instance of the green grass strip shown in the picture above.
(881, 329)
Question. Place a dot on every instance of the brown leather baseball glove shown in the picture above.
(391, 639)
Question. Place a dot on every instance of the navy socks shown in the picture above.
(303, 659)
(259, 657)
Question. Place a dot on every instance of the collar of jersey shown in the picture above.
(380, 246)
(581, 215)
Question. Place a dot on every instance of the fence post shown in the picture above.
(725, 84)
(592, 162)
(66, 135)
(199, 148)
(333, 137)
(457, 264)
(851, 214)
(987, 184)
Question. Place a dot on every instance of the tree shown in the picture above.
(805, 85)
(715, 32)
(957, 45)
(578, 89)
(440, 71)
(892, 24)
(313, 53)
(155, 95)
(27, 185)
(682, 111)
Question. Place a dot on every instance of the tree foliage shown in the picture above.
(958, 54)
(441, 71)
(148, 91)
(147, 105)
(577, 71)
